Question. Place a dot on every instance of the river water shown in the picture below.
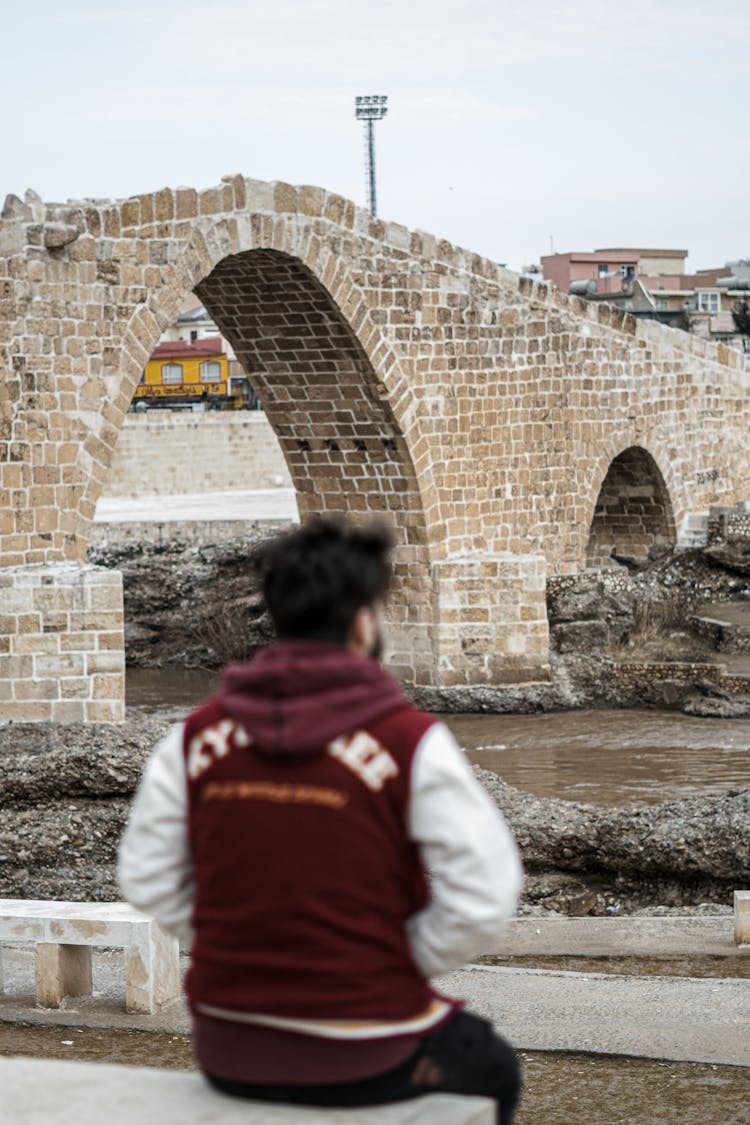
(604, 757)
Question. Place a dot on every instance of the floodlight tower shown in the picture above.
(371, 108)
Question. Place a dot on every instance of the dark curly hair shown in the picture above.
(316, 577)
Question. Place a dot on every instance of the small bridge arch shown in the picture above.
(633, 511)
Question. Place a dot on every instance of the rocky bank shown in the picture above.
(623, 637)
(189, 606)
(67, 790)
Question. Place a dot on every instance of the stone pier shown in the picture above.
(61, 644)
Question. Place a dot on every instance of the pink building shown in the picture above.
(614, 269)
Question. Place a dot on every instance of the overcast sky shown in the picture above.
(511, 123)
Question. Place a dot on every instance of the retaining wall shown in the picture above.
(164, 452)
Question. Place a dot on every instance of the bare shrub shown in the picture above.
(232, 632)
(655, 617)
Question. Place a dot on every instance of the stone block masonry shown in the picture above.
(61, 644)
(492, 620)
(729, 525)
(165, 452)
(477, 412)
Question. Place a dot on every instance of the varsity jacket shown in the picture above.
(323, 845)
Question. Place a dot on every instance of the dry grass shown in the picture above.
(654, 618)
(230, 633)
(660, 631)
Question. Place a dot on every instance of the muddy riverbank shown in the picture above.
(67, 790)
(616, 638)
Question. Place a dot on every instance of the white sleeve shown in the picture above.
(470, 855)
(155, 867)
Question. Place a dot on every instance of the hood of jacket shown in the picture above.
(294, 697)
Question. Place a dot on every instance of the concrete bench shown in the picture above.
(742, 917)
(75, 1093)
(65, 932)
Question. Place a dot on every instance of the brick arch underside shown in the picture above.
(633, 511)
(345, 451)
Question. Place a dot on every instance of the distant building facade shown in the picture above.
(612, 270)
(652, 284)
(193, 365)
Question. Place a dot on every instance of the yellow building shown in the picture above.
(188, 372)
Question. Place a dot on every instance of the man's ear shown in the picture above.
(364, 631)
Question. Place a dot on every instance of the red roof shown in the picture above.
(183, 349)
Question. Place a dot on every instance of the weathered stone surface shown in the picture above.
(711, 705)
(192, 607)
(573, 636)
(64, 802)
(43, 763)
(61, 970)
(731, 556)
(628, 637)
(57, 235)
(75, 1091)
(516, 699)
(15, 208)
(698, 838)
(33, 200)
(585, 599)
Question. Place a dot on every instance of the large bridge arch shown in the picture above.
(331, 386)
(200, 268)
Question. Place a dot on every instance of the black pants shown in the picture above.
(464, 1056)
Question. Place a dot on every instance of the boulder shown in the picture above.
(57, 235)
(697, 838)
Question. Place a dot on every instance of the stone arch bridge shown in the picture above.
(505, 430)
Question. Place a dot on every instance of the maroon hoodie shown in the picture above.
(296, 696)
(299, 780)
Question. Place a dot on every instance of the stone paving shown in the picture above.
(659, 1017)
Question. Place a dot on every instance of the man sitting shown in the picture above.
(328, 851)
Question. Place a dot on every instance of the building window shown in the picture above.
(211, 372)
(708, 302)
(171, 373)
(602, 271)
